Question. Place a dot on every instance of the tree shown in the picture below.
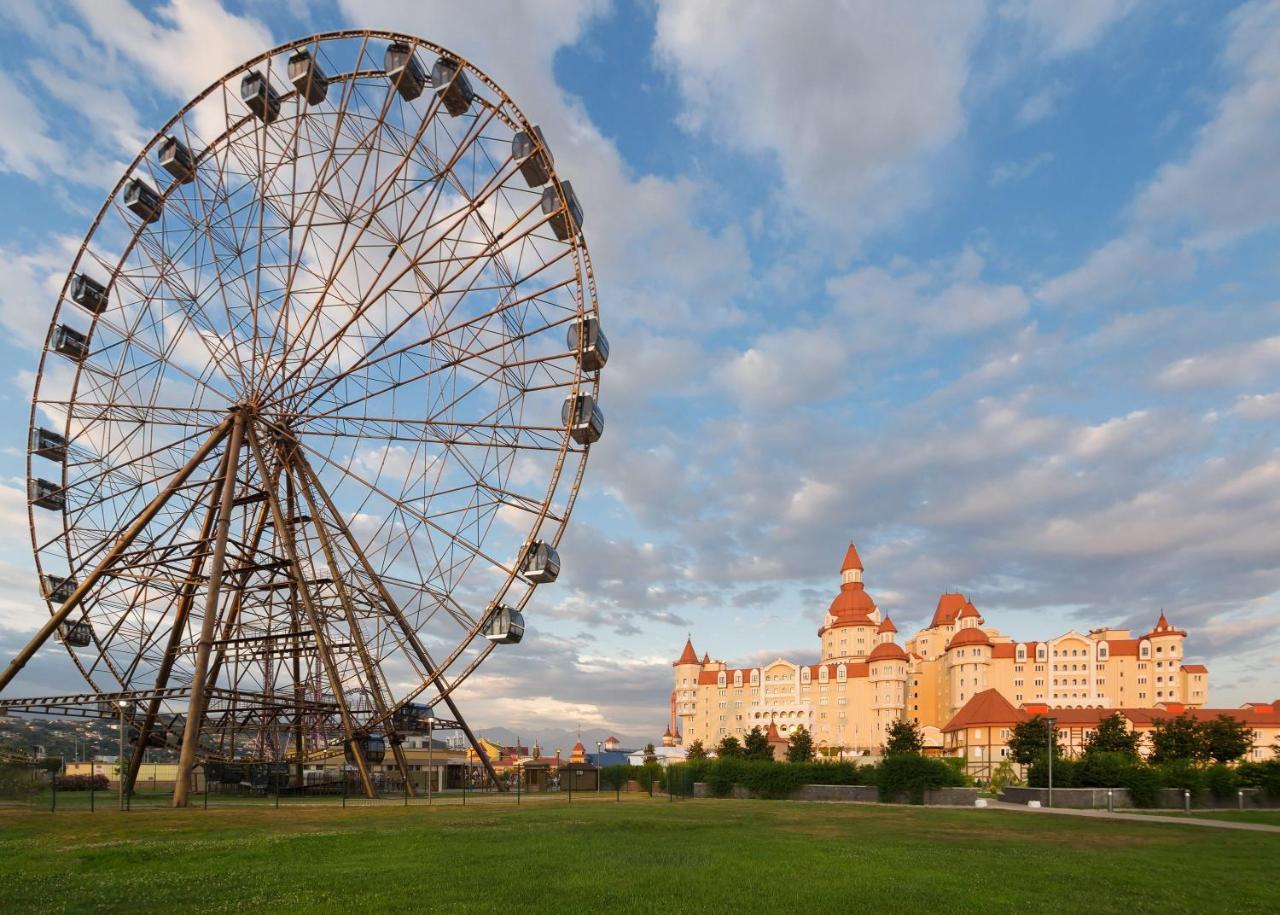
(696, 751)
(729, 748)
(1182, 737)
(1029, 740)
(650, 755)
(800, 746)
(1003, 776)
(756, 746)
(1113, 736)
(1226, 739)
(904, 738)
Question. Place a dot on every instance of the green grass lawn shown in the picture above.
(637, 856)
(1266, 817)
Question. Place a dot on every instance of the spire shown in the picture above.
(851, 560)
(887, 625)
(706, 658)
(688, 656)
(1162, 623)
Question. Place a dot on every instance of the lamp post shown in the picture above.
(599, 763)
(1053, 734)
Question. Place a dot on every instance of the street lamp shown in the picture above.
(1053, 734)
(599, 762)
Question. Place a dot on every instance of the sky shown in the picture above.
(989, 289)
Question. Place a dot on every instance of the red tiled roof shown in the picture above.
(970, 636)
(688, 656)
(949, 607)
(887, 651)
(1003, 650)
(969, 610)
(706, 658)
(1195, 668)
(851, 560)
(771, 733)
(1127, 648)
(887, 626)
(986, 708)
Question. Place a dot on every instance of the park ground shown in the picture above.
(637, 855)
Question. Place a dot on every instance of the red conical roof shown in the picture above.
(969, 610)
(887, 626)
(706, 658)
(949, 607)
(688, 656)
(772, 735)
(851, 560)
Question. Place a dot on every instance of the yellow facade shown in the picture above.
(864, 680)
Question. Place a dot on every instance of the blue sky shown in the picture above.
(989, 289)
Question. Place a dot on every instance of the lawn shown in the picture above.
(637, 856)
(1266, 817)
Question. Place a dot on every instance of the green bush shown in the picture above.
(1102, 769)
(1182, 774)
(615, 777)
(1143, 782)
(913, 775)
(1263, 775)
(1222, 780)
(1064, 772)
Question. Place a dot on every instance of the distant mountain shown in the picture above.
(548, 739)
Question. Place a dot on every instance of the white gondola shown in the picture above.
(451, 82)
(48, 444)
(177, 160)
(402, 68)
(308, 78)
(260, 98)
(89, 294)
(566, 218)
(587, 340)
(142, 200)
(77, 635)
(505, 626)
(584, 419)
(530, 150)
(70, 343)
(46, 494)
(541, 563)
(57, 589)
(372, 747)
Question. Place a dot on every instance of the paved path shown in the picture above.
(1134, 817)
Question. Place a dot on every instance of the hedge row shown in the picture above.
(894, 777)
(1144, 780)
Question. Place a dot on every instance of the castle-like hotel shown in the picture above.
(866, 679)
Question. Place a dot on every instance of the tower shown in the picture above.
(849, 629)
(684, 692)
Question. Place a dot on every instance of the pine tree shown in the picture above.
(729, 748)
(696, 751)
(756, 746)
(904, 738)
(1113, 736)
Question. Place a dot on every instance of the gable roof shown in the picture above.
(949, 607)
(986, 708)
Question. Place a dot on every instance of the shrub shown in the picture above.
(1143, 782)
(913, 775)
(1103, 769)
(1223, 781)
(616, 777)
(1263, 775)
(1064, 772)
(1182, 774)
(81, 782)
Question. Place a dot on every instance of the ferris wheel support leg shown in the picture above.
(285, 535)
(185, 600)
(196, 704)
(139, 524)
(307, 472)
(353, 624)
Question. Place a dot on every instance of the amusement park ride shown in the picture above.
(313, 412)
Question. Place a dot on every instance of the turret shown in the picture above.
(888, 672)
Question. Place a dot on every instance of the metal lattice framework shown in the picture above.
(315, 404)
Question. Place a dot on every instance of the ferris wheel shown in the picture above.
(316, 401)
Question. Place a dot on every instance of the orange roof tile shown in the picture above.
(688, 656)
(887, 626)
(968, 611)
(851, 560)
(970, 636)
(1195, 668)
(986, 708)
(887, 651)
(949, 607)
(1003, 650)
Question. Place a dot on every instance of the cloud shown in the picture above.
(1004, 172)
(1039, 106)
(848, 103)
(1257, 406)
(1229, 365)
(1115, 270)
(1066, 28)
(33, 278)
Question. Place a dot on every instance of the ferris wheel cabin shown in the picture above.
(45, 494)
(530, 150)
(77, 635)
(404, 71)
(176, 159)
(541, 563)
(566, 220)
(89, 294)
(505, 626)
(57, 589)
(372, 747)
(584, 418)
(142, 200)
(451, 82)
(308, 78)
(260, 98)
(587, 340)
(48, 444)
(70, 343)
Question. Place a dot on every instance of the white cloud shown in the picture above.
(1257, 406)
(1115, 270)
(787, 367)
(849, 100)
(32, 280)
(26, 147)
(1065, 28)
(1230, 365)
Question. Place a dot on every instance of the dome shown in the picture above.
(970, 636)
(851, 601)
(887, 651)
